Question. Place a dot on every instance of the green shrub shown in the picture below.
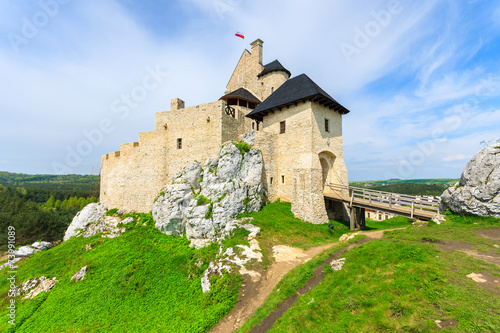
(112, 212)
(209, 213)
(243, 147)
(202, 200)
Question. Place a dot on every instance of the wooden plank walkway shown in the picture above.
(424, 208)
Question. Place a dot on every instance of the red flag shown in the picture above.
(239, 34)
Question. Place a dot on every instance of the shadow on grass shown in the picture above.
(372, 225)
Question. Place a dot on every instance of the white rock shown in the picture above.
(127, 220)
(254, 230)
(90, 213)
(42, 245)
(80, 275)
(43, 284)
(248, 137)
(231, 184)
(478, 191)
(337, 264)
(24, 251)
(10, 263)
(347, 237)
(477, 277)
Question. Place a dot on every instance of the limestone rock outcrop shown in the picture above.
(90, 213)
(478, 191)
(27, 250)
(202, 200)
(92, 220)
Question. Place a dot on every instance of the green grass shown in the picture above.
(394, 222)
(279, 226)
(457, 228)
(143, 281)
(243, 147)
(112, 212)
(402, 285)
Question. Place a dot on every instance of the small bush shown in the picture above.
(243, 147)
(112, 212)
(202, 200)
(209, 213)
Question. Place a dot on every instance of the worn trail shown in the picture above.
(254, 293)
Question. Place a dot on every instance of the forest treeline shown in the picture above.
(411, 189)
(40, 207)
(64, 186)
(429, 187)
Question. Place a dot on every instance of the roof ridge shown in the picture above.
(296, 89)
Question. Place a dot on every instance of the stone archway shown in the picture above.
(325, 168)
(327, 160)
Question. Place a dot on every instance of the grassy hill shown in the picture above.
(145, 281)
(79, 185)
(430, 187)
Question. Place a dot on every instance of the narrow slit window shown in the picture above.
(271, 181)
(283, 179)
(272, 90)
(179, 143)
(327, 125)
(253, 126)
(282, 127)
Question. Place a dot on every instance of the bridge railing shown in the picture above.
(422, 203)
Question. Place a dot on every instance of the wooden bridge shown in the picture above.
(359, 199)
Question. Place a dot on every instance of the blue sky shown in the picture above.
(421, 78)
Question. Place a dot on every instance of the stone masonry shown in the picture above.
(296, 162)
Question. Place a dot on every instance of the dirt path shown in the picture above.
(254, 294)
(4, 256)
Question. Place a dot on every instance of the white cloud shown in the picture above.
(457, 157)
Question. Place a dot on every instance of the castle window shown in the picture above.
(253, 125)
(282, 127)
(283, 179)
(271, 181)
(272, 90)
(327, 127)
(179, 143)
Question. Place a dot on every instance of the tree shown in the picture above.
(50, 203)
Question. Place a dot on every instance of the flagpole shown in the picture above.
(245, 62)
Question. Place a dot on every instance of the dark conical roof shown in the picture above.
(242, 93)
(298, 89)
(273, 67)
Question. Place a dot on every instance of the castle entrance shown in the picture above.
(326, 159)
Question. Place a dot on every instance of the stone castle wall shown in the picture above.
(132, 177)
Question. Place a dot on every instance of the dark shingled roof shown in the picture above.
(298, 89)
(242, 93)
(273, 67)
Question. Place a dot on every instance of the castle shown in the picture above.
(298, 128)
